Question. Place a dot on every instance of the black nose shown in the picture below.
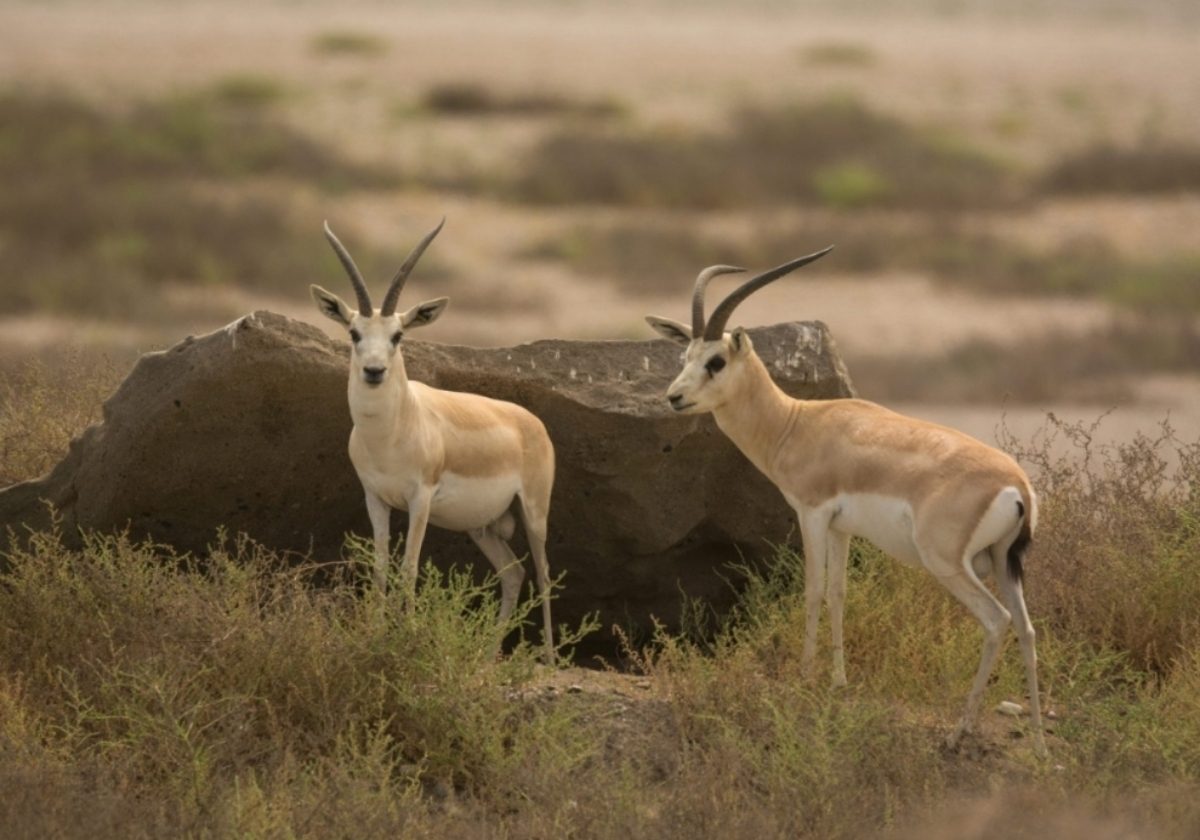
(675, 399)
(374, 375)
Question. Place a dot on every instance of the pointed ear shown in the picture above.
(331, 305)
(670, 330)
(740, 341)
(424, 314)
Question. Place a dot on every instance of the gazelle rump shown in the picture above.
(929, 496)
(453, 459)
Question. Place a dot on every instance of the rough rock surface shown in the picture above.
(247, 427)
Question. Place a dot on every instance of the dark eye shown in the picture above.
(714, 364)
(396, 337)
(355, 336)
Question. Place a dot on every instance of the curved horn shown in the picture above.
(393, 292)
(360, 288)
(702, 281)
(716, 324)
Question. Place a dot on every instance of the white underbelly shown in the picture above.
(883, 520)
(461, 503)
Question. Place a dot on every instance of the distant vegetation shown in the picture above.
(1099, 367)
(664, 254)
(100, 208)
(835, 151)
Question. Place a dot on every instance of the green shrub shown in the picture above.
(850, 185)
(839, 53)
(348, 42)
(248, 91)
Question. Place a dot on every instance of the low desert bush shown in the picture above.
(838, 54)
(1149, 167)
(467, 98)
(196, 681)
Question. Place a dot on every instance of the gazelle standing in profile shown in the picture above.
(929, 496)
(454, 459)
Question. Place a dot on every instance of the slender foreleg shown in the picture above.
(814, 532)
(418, 519)
(380, 514)
(838, 552)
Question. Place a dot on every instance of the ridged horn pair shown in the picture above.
(393, 293)
(715, 326)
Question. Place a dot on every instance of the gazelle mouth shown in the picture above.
(683, 407)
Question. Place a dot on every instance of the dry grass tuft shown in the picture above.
(44, 406)
(1119, 550)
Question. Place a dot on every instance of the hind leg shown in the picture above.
(964, 586)
(535, 513)
(508, 567)
(1013, 595)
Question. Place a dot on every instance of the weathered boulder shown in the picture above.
(247, 427)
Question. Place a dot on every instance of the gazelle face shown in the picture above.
(375, 339)
(710, 368)
(374, 343)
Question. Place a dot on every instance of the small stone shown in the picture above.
(574, 688)
(1009, 708)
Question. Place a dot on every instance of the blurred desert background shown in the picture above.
(1013, 189)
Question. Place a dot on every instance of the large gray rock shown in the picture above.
(246, 428)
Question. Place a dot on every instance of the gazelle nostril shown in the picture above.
(675, 398)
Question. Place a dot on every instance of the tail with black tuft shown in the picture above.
(1016, 551)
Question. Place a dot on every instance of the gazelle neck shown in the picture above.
(757, 415)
